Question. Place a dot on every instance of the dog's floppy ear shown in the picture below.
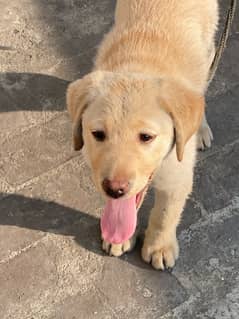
(186, 108)
(79, 94)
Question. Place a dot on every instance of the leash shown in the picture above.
(223, 40)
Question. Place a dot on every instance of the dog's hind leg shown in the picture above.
(205, 136)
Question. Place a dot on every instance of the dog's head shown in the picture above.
(127, 124)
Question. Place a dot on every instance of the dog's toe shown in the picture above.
(161, 258)
(205, 136)
(119, 249)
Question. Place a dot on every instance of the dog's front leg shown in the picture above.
(119, 249)
(160, 244)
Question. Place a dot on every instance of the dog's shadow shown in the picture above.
(51, 217)
(31, 92)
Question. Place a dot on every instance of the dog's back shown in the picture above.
(162, 37)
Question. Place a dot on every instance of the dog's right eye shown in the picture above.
(146, 138)
(99, 135)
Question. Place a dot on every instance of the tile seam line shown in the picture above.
(27, 128)
(221, 214)
(106, 303)
(224, 148)
(17, 253)
(210, 100)
(19, 187)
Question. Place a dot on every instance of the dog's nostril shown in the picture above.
(106, 184)
(115, 193)
(120, 191)
(114, 189)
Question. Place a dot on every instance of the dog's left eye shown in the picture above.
(146, 138)
(99, 135)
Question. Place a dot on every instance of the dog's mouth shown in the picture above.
(119, 219)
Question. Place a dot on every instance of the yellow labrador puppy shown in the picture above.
(137, 115)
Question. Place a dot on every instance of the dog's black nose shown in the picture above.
(115, 188)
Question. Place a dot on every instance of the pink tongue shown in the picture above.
(119, 218)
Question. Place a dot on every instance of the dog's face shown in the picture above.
(126, 136)
(127, 129)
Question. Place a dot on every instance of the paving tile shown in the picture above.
(29, 219)
(45, 275)
(74, 67)
(138, 291)
(33, 92)
(217, 179)
(15, 235)
(88, 305)
(9, 121)
(192, 213)
(35, 151)
(45, 33)
(226, 76)
(28, 100)
(5, 188)
(225, 128)
(70, 185)
(208, 266)
(14, 239)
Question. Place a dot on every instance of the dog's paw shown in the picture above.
(119, 249)
(162, 255)
(205, 136)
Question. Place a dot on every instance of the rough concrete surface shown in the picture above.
(51, 263)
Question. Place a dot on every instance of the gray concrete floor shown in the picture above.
(51, 263)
